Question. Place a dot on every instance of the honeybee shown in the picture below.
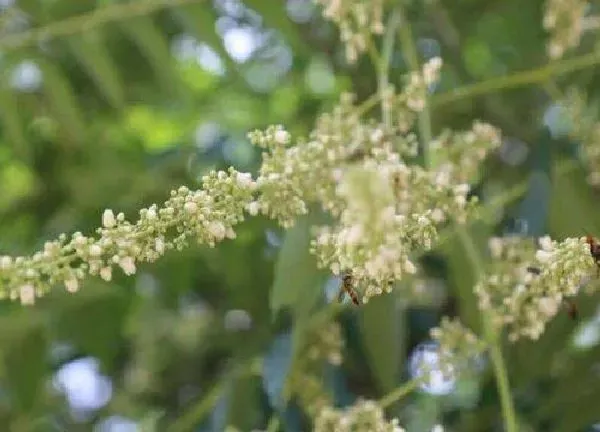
(348, 288)
(571, 309)
(594, 250)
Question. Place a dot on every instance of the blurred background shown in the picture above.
(111, 104)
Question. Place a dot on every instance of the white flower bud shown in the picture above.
(548, 306)
(495, 246)
(95, 250)
(245, 180)
(217, 230)
(5, 262)
(253, 208)
(190, 207)
(543, 256)
(230, 233)
(376, 136)
(546, 243)
(27, 294)
(159, 245)
(72, 285)
(128, 265)
(462, 189)
(409, 267)
(106, 273)
(281, 137)
(108, 219)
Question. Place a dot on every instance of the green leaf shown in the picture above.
(243, 407)
(571, 191)
(149, 39)
(461, 275)
(94, 319)
(12, 127)
(90, 51)
(383, 340)
(63, 101)
(23, 346)
(298, 283)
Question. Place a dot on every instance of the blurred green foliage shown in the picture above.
(111, 104)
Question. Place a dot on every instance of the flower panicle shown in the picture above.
(207, 215)
(529, 283)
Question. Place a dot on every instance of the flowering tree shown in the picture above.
(378, 192)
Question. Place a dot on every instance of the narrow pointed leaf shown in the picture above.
(23, 350)
(298, 283)
(12, 127)
(63, 102)
(154, 47)
(90, 51)
(382, 340)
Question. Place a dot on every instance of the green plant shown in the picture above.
(372, 184)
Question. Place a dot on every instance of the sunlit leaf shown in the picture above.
(156, 129)
(17, 180)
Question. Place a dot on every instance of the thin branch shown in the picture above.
(493, 339)
(398, 393)
(86, 22)
(409, 50)
(518, 79)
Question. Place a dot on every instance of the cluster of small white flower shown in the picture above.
(387, 208)
(527, 287)
(458, 344)
(391, 210)
(328, 344)
(563, 19)
(357, 20)
(364, 415)
(403, 107)
(207, 215)
(457, 156)
(356, 170)
(322, 342)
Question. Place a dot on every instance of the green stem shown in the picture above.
(424, 119)
(274, 423)
(383, 79)
(493, 339)
(192, 417)
(87, 21)
(518, 79)
(398, 393)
